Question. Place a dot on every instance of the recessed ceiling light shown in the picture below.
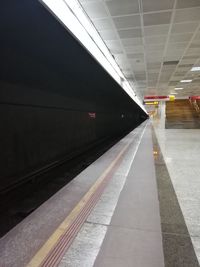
(178, 88)
(195, 69)
(186, 81)
(174, 93)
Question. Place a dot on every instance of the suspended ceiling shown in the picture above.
(155, 42)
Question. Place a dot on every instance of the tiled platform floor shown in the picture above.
(181, 152)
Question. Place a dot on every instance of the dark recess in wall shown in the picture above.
(48, 85)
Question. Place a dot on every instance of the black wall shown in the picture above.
(48, 86)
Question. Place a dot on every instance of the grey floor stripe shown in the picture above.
(177, 245)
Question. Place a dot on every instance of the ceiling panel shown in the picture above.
(156, 39)
(125, 7)
(156, 5)
(157, 18)
(127, 22)
(184, 15)
(156, 30)
(130, 33)
(132, 41)
(134, 49)
(184, 27)
(187, 3)
(180, 38)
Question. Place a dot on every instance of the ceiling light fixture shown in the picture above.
(195, 69)
(186, 81)
(174, 93)
(178, 88)
(74, 18)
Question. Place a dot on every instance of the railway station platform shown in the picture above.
(122, 210)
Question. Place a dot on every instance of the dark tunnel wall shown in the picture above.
(55, 99)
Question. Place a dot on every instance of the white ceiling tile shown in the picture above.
(152, 76)
(154, 56)
(157, 18)
(173, 46)
(153, 70)
(184, 15)
(177, 78)
(180, 37)
(154, 47)
(156, 5)
(156, 30)
(95, 10)
(140, 77)
(184, 27)
(187, 3)
(157, 53)
(194, 45)
(136, 60)
(156, 39)
(134, 49)
(153, 60)
(132, 41)
(138, 67)
(152, 83)
(172, 57)
(130, 33)
(187, 61)
(179, 73)
(127, 21)
(174, 54)
(125, 7)
(135, 56)
(154, 65)
(193, 51)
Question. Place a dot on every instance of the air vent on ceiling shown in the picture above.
(167, 63)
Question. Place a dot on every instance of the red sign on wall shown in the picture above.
(156, 97)
(195, 97)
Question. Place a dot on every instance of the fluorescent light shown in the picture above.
(178, 88)
(186, 81)
(195, 69)
(72, 15)
(174, 93)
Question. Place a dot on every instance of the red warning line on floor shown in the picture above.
(56, 246)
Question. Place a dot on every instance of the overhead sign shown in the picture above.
(159, 98)
(155, 97)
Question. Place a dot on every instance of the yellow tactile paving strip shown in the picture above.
(45, 251)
